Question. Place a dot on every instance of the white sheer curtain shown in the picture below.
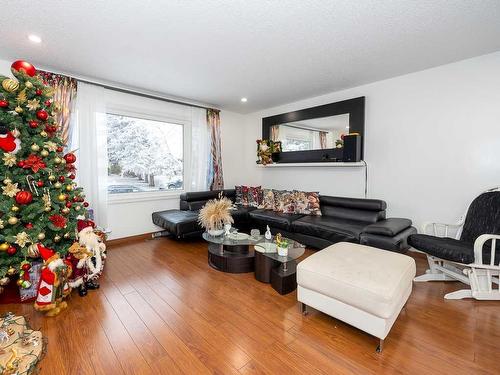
(89, 136)
(200, 150)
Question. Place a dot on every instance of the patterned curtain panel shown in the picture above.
(215, 176)
(64, 97)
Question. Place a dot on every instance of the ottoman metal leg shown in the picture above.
(304, 309)
(380, 346)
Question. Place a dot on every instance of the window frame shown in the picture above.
(120, 110)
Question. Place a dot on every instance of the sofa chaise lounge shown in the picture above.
(343, 220)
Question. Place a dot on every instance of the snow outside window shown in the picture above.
(144, 155)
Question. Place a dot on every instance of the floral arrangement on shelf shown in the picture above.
(265, 150)
(215, 214)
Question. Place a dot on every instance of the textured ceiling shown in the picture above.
(273, 52)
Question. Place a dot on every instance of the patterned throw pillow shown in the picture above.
(254, 196)
(267, 202)
(238, 199)
(244, 196)
(307, 203)
(284, 201)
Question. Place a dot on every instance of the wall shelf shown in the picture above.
(337, 164)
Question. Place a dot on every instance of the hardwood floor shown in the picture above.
(162, 310)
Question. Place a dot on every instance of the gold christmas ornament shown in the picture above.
(19, 282)
(52, 177)
(44, 153)
(33, 104)
(14, 208)
(58, 185)
(4, 281)
(66, 235)
(28, 84)
(18, 109)
(4, 246)
(11, 271)
(47, 209)
(57, 238)
(65, 210)
(1, 224)
(41, 236)
(61, 197)
(9, 159)
(57, 160)
(10, 190)
(7, 181)
(69, 187)
(43, 133)
(22, 239)
(34, 147)
(33, 249)
(21, 97)
(51, 146)
(10, 85)
(77, 208)
(12, 220)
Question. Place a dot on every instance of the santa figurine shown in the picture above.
(93, 243)
(79, 258)
(8, 142)
(53, 287)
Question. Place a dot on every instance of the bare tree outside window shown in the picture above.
(143, 155)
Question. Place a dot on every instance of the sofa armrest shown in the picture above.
(388, 227)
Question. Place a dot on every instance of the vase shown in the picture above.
(283, 251)
(215, 232)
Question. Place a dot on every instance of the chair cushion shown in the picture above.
(443, 247)
(370, 279)
(274, 219)
(329, 228)
(177, 222)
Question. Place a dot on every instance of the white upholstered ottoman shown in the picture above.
(361, 285)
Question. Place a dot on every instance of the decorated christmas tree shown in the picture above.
(39, 201)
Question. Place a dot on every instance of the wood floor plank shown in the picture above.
(162, 310)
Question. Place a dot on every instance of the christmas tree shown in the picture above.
(39, 202)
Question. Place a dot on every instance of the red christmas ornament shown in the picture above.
(24, 197)
(20, 164)
(50, 128)
(38, 92)
(85, 204)
(70, 158)
(59, 149)
(69, 204)
(58, 221)
(26, 267)
(48, 103)
(4, 103)
(11, 250)
(33, 124)
(61, 178)
(42, 114)
(72, 176)
(20, 65)
(28, 226)
(39, 183)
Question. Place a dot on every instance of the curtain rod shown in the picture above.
(149, 96)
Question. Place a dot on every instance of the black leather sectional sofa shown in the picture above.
(343, 219)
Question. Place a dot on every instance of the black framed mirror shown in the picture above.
(316, 134)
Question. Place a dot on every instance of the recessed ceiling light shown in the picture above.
(35, 38)
(244, 100)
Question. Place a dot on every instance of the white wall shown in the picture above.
(422, 157)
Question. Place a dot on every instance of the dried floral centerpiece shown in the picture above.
(215, 214)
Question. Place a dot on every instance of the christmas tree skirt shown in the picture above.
(21, 348)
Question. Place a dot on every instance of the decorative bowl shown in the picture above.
(215, 232)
